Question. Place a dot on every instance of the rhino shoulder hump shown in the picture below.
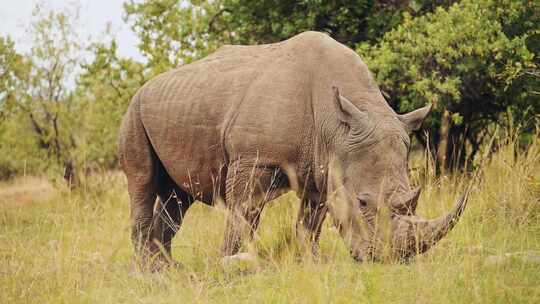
(313, 36)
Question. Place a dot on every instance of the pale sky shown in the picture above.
(94, 16)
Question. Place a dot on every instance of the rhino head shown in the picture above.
(369, 194)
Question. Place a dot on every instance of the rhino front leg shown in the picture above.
(248, 188)
(309, 223)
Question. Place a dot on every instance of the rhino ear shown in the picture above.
(347, 112)
(413, 120)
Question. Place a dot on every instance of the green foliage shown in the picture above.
(52, 124)
(18, 149)
(473, 59)
(172, 32)
(266, 21)
(350, 22)
(40, 128)
(13, 68)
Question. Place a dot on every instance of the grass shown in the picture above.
(62, 247)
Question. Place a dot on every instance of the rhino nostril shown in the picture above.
(362, 203)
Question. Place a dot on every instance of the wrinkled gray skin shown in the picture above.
(248, 123)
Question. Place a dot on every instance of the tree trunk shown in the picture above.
(443, 141)
(70, 175)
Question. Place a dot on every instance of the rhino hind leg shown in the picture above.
(146, 180)
(169, 212)
(154, 223)
(140, 165)
(142, 188)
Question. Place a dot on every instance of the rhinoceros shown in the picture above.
(248, 123)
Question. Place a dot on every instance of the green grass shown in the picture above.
(74, 247)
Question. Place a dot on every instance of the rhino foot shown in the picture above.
(239, 257)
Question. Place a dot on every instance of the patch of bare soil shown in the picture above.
(25, 190)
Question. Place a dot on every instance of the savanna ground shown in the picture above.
(58, 246)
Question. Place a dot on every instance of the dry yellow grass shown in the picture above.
(74, 248)
(25, 190)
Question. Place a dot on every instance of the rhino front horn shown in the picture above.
(424, 234)
(438, 228)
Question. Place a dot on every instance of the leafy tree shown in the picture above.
(266, 21)
(350, 22)
(43, 106)
(13, 68)
(473, 61)
(50, 122)
(173, 32)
